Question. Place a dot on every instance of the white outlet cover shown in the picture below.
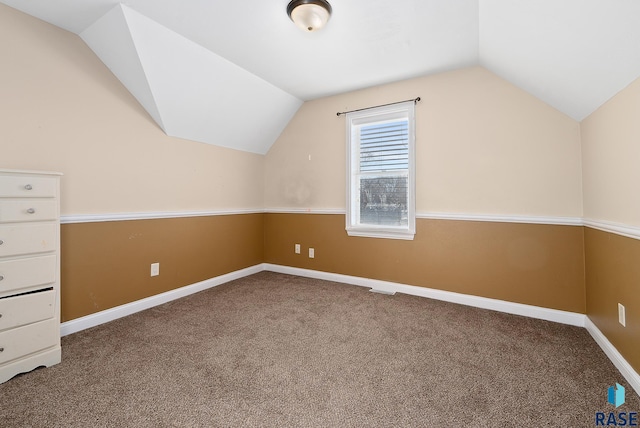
(297, 248)
(155, 269)
(312, 253)
(622, 315)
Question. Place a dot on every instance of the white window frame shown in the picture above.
(355, 120)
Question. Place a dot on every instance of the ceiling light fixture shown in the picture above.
(310, 15)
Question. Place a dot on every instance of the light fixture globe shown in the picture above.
(310, 15)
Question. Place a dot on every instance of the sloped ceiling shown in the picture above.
(234, 73)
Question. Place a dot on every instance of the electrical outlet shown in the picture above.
(622, 315)
(155, 269)
(312, 253)
(297, 248)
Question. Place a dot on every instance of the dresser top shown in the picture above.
(21, 171)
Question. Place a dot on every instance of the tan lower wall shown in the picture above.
(613, 276)
(539, 265)
(107, 264)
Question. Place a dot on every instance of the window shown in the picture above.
(381, 172)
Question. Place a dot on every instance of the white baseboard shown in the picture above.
(105, 316)
(563, 317)
(616, 358)
(554, 315)
(111, 314)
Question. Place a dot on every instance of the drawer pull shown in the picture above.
(1, 242)
(1, 349)
(1, 278)
(31, 211)
(28, 187)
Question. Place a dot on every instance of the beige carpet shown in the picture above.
(278, 350)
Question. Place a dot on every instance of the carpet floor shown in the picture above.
(284, 351)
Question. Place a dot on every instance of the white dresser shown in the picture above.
(29, 271)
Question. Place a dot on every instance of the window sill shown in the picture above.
(382, 233)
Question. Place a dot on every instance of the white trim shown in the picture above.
(617, 228)
(338, 211)
(111, 314)
(555, 315)
(386, 287)
(616, 358)
(355, 121)
(567, 221)
(93, 218)
(107, 315)
(562, 221)
(381, 233)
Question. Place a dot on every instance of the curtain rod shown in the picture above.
(415, 100)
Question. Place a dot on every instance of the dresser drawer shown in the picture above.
(13, 211)
(22, 341)
(22, 273)
(26, 309)
(26, 186)
(27, 238)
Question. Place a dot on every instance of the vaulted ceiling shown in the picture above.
(233, 73)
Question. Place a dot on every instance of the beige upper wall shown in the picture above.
(62, 110)
(611, 159)
(483, 147)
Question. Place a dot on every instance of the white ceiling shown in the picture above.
(233, 73)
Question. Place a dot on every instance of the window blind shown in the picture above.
(384, 147)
